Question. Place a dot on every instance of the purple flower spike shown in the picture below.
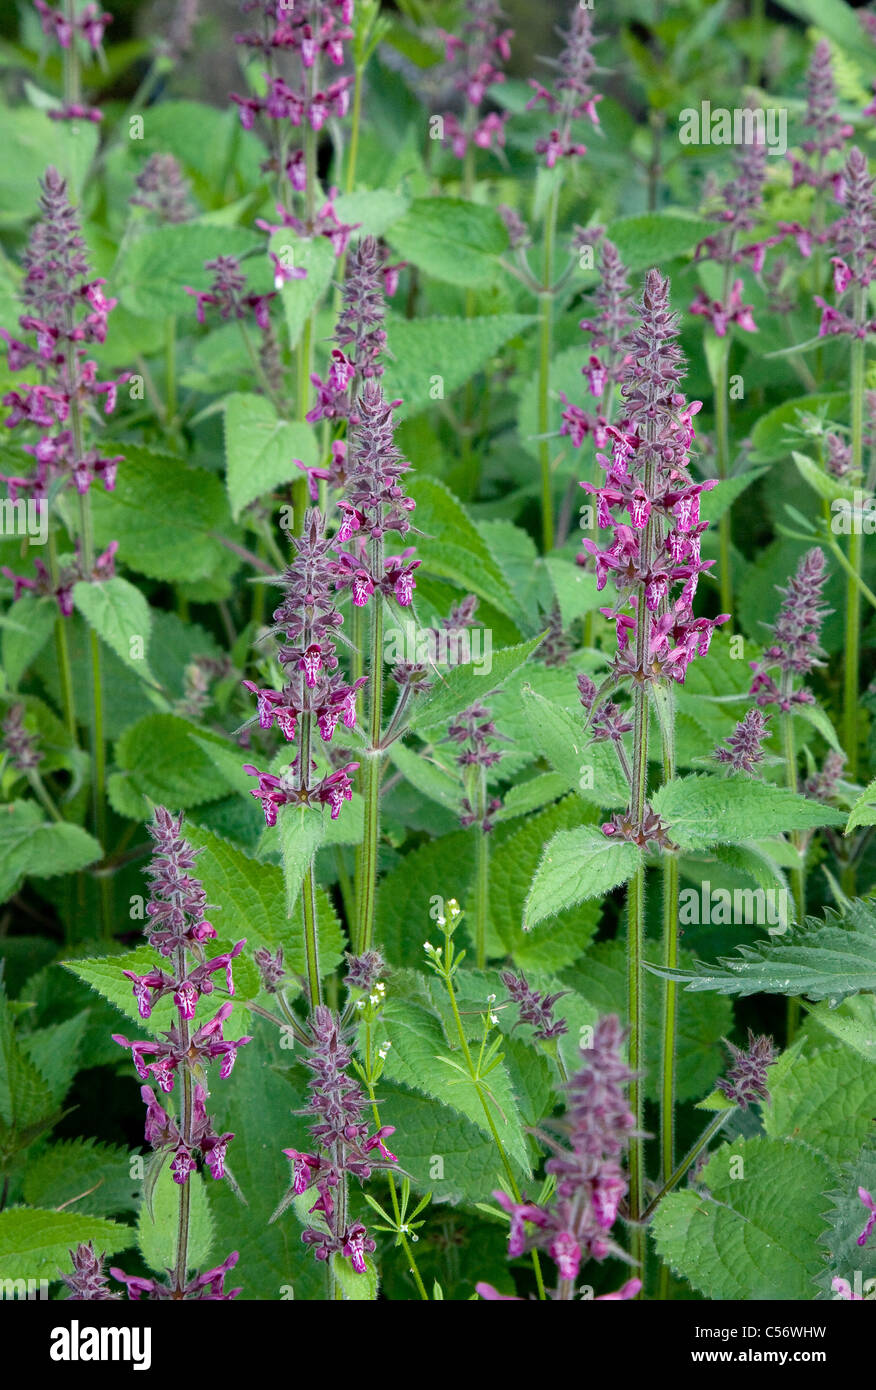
(745, 1082)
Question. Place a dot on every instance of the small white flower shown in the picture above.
(491, 998)
(493, 1019)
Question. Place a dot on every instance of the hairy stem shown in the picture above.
(546, 311)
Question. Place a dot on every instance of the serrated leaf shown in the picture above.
(863, 811)
(451, 239)
(770, 437)
(300, 297)
(823, 483)
(452, 547)
(27, 628)
(703, 810)
(432, 353)
(848, 1260)
(827, 1100)
(656, 237)
(30, 847)
(453, 692)
(36, 1244)
(261, 450)
(157, 1234)
(25, 1096)
(820, 959)
(155, 268)
(72, 1168)
(252, 897)
(853, 1022)
(157, 761)
(54, 1051)
(164, 516)
(120, 616)
(735, 1240)
(577, 865)
(591, 768)
(416, 1060)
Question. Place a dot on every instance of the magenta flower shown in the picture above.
(870, 1204)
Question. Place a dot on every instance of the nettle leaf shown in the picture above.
(158, 762)
(31, 848)
(261, 450)
(577, 865)
(451, 546)
(155, 268)
(432, 357)
(512, 866)
(591, 768)
(845, 1222)
(853, 1022)
(441, 869)
(828, 1100)
(157, 1234)
(823, 483)
(25, 1095)
(460, 687)
(656, 237)
(30, 142)
(373, 209)
(445, 1153)
(27, 627)
(97, 1176)
(165, 515)
(735, 1240)
(36, 1244)
(416, 1060)
(427, 776)
(120, 616)
(253, 903)
(820, 959)
(300, 297)
(54, 1051)
(451, 239)
(574, 589)
(532, 795)
(301, 834)
(105, 975)
(703, 810)
(864, 810)
(771, 438)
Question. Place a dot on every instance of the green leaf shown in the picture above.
(31, 848)
(158, 762)
(25, 1095)
(838, 20)
(163, 514)
(362, 1288)
(432, 357)
(253, 903)
(31, 142)
(704, 810)
(301, 834)
(440, 869)
(826, 959)
(73, 1168)
(454, 692)
(734, 1240)
(54, 1051)
(155, 268)
(771, 438)
(451, 239)
(451, 546)
(415, 1060)
(375, 209)
(574, 589)
(120, 616)
(577, 865)
(512, 866)
(827, 1100)
(427, 776)
(300, 297)
(821, 482)
(853, 1022)
(591, 768)
(864, 810)
(36, 1244)
(157, 1234)
(845, 1222)
(26, 630)
(261, 450)
(656, 237)
(445, 1153)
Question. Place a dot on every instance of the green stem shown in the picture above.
(722, 455)
(546, 310)
(670, 960)
(367, 887)
(853, 593)
(482, 896)
(98, 754)
(42, 794)
(798, 879)
(62, 650)
(185, 1127)
(485, 1104)
(708, 1133)
(170, 370)
(354, 131)
(311, 937)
